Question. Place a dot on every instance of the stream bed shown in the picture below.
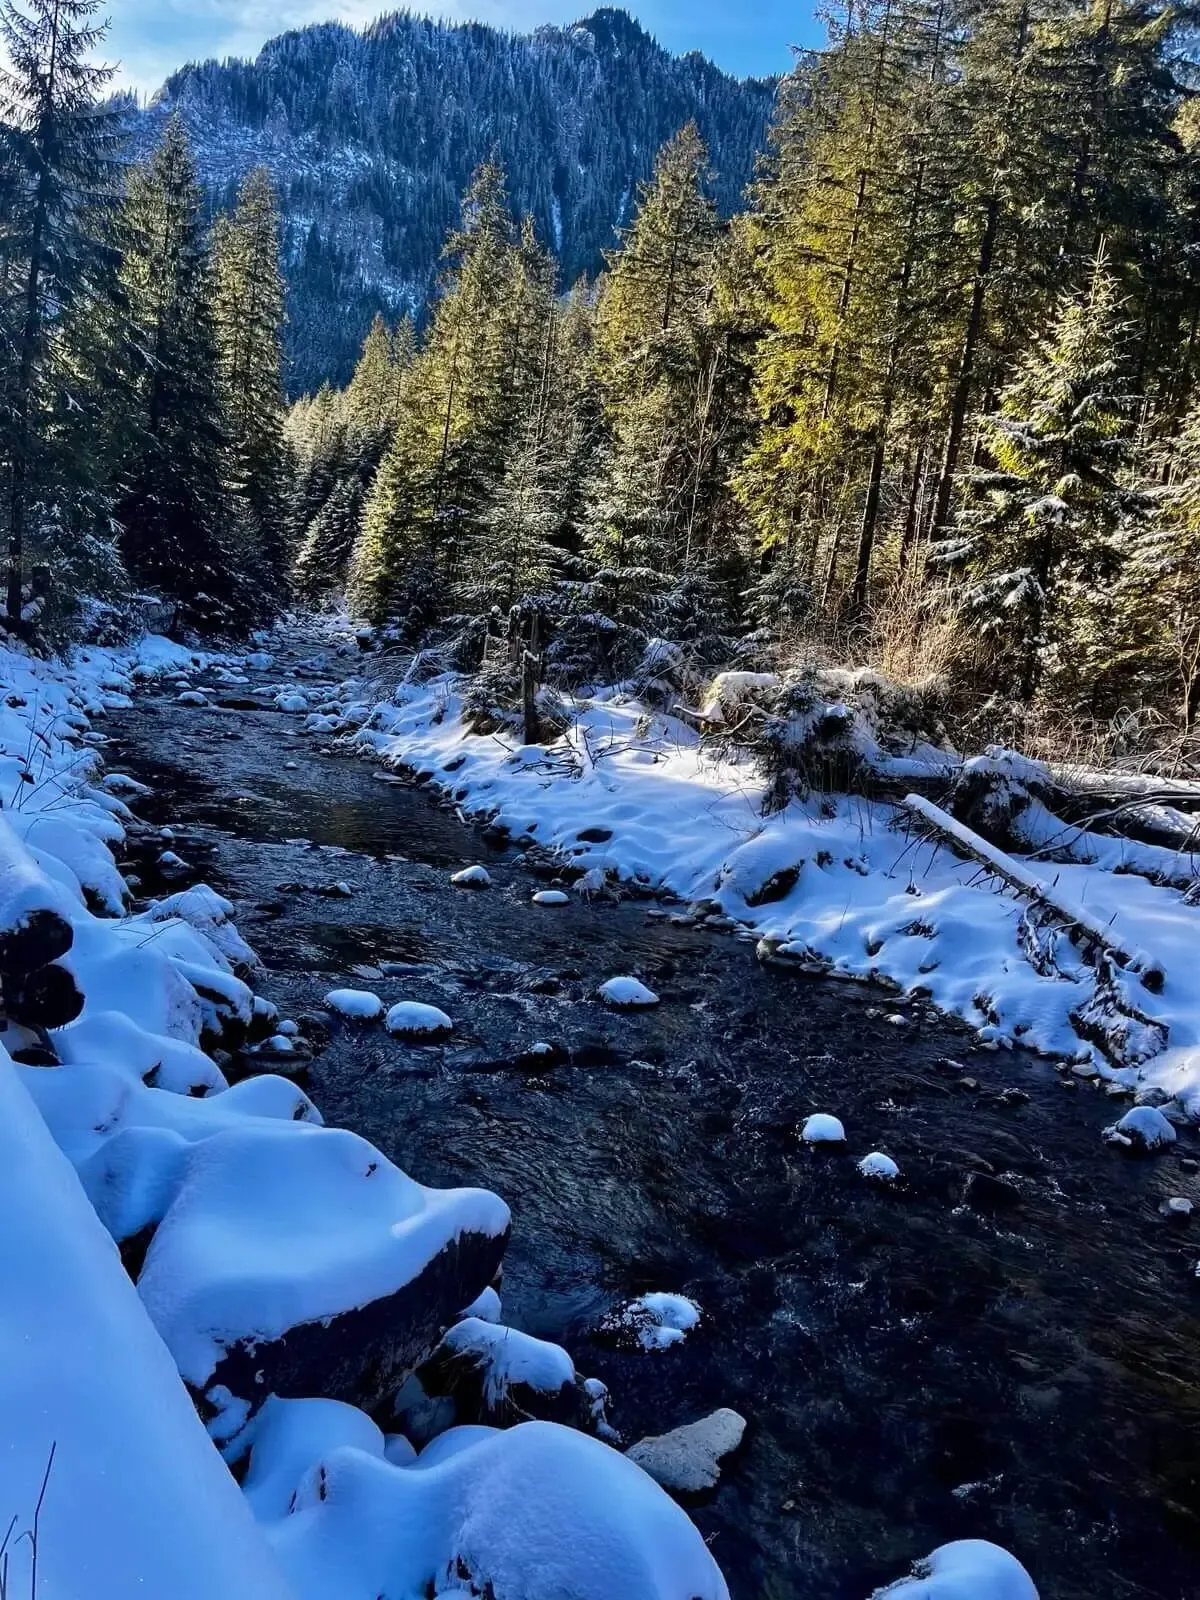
(1005, 1345)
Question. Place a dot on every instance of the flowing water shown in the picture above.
(1005, 1346)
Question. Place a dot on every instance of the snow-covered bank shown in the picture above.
(272, 1257)
(833, 883)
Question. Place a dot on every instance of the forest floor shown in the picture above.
(1000, 1345)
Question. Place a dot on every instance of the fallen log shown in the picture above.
(34, 929)
(1083, 928)
(45, 998)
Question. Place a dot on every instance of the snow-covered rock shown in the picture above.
(538, 1512)
(654, 1321)
(193, 697)
(688, 1459)
(409, 1019)
(291, 700)
(1142, 1128)
(475, 877)
(551, 897)
(627, 994)
(821, 1128)
(495, 1374)
(968, 1569)
(358, 1004)
(879, 1167)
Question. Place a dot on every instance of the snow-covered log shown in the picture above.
(35, 926)
(1085, 929)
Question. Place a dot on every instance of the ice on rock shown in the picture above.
(358, 1004)
(627, 994)
(688, 1459)
(411, 1020)
(551, 897)
(880, 1168)
(471, 878)
(968, 1569)
(821, 1128)
(1142, 1128)
(537, 1511)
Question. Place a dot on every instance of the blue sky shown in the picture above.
(152, 37)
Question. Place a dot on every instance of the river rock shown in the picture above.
(357, 1004)
(495, 1375)
(411, 1020)
(476, 877)
(879, 1168)
(968, 1569)
(627, 994)
(1143, 1130)
(687, 1460)
(821, 1128)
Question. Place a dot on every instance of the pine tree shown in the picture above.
(248, 318)
(59, 151)
(172, 503)
(1038, 535)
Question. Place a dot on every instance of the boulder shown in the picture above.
(688, 1460)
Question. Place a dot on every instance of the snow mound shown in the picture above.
(627, 994)
(266, 1228)
(1143, 1128)
(472, 878)
(551, 897)
(358, 1004)
(821, 1128)
(687, 1460)
(411, 1020)
(538, 1512)
(969, 1569)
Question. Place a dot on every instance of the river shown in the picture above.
(1005, 1346)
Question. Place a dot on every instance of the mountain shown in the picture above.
(372, 137)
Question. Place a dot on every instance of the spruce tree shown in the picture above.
(59, 149)
(172, 504)
(1038, 535)
(248, 319)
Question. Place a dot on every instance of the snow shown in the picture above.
(507, 1356)
(969, 1569)
(627, 994)
(832, 883)
(821, 1128)
(659, 1320)
(1142, 1128)
(412, 1020)
(688, 1459)
(471, 878)
(137, 1500)
(880, 1168)
(538, 1511)
(551, 897)
(359, 1004)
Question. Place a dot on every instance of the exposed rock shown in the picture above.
(687, 1460)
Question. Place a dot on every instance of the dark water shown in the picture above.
(913, 1369)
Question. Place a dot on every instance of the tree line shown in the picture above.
(141, 403)
(942, 365)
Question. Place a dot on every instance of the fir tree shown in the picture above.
(58, 192)
(248, 319)
(173, 507)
